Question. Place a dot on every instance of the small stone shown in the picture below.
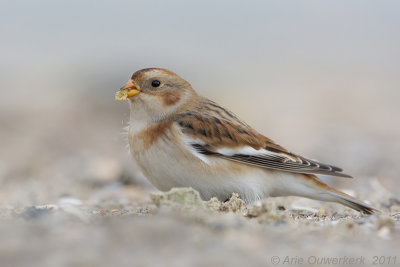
(254, 211)
(34, 212)
(322, 212)
(185, 196)
(69, 201)
(213, 204)
(234, 204)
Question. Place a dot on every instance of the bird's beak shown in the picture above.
(131, 88)
(127, 91)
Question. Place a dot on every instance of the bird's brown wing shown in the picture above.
(219, 133)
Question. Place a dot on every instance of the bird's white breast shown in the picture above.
(169, 163)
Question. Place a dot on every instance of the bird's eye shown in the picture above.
(155, 83)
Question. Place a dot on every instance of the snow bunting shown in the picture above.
(181, 139)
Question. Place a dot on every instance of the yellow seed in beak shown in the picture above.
(121, 95)
(127, 91)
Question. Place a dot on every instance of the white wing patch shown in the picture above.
(190, 142)
(229, 152)
(243, 150)
(249, 151)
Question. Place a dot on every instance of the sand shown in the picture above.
(177, 228)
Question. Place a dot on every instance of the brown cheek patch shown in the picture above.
(169, 98)
(152, 133)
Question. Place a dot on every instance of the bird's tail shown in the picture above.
(327, 193)
(352, 202)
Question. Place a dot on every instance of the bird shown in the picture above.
(181, 139)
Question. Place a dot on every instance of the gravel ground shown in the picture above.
(128, 226)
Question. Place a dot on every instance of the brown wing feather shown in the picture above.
(219, 128)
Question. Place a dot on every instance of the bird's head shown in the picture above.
(155, 93)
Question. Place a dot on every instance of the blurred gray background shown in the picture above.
(319, 77)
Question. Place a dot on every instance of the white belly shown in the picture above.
(169, 164)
